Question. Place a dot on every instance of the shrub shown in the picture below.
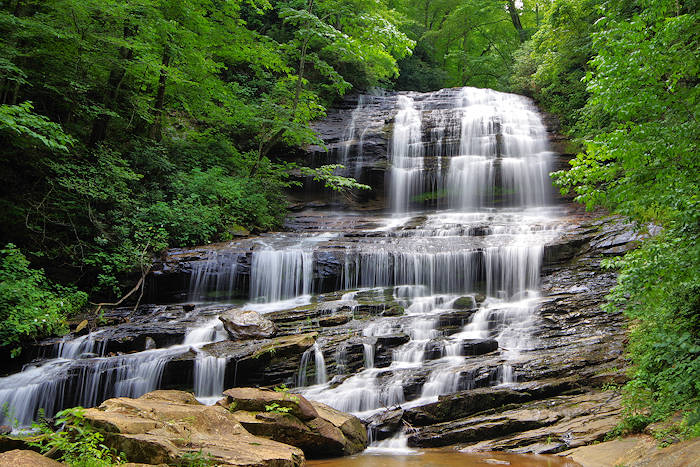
(31, 307)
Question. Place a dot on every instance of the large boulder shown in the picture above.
(167, 426)
(256, 400)
(315, 428)
(247, 324)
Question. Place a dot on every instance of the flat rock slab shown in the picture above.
(637, 451)
(581, 419)
(21, 458)
(164, 426)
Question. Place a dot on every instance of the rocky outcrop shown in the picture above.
(247, 324)
(315, 428)
(166, 426)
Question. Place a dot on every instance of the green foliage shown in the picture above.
(276, 408)
(624, 76)
(464, 42)
(196, 459)
(552, 64)
(22, 122)
(30, 306)
(77, 442)
(326, 175)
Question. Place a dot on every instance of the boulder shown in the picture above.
(353, 430)
(255, 400)
(167, 426)
(385, 424)
(247, 324)
(315, 428)
(19, 458)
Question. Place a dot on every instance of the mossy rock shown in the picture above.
(394, 310)
(464, 303)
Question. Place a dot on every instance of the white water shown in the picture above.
(321, 376)
(406, 154)
(79, 377)
(485, 155)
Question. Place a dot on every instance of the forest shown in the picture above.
(131, 127)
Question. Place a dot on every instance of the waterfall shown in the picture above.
(483, 155)
(209, 372)
(86, 382)
(406, 154)
(368, 354)
(321, 377)
(216, 277)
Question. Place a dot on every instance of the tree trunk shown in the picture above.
(160, 98)
(516, 20)
(116, 75)
(302, 64)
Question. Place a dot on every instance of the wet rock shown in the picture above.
(19, 458)
(473, 347)
(5, 430)
(480, 428)
(434, 350)
(464, 303)
(167, 426)
(385, 424)
(580, 419)
(247, 324)
(454, 320)
(462, 404)
(392, 340)
(394, 310)
(335, 320)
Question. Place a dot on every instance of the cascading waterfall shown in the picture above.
(483, 155)
(468, 217)
(81, 374)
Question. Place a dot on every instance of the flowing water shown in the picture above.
(442, 458)
(468, 213)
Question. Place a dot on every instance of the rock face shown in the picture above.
(315, 428)
(163, 426)
(247, 324)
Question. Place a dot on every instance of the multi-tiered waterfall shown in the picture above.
(464, 227)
